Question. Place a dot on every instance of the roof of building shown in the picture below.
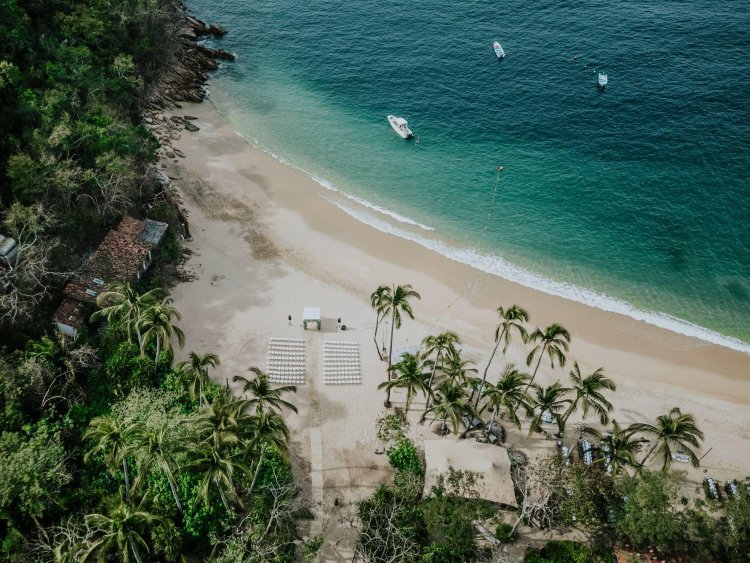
(69, 313)
(490, 460)
(118, 258)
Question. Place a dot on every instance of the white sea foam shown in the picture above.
(500, 267)
(364, 203)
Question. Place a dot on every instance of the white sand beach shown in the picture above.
(267, 240)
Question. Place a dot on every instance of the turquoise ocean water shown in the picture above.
(634, 199)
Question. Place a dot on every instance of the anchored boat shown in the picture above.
(498, 50)
(602, 80)
(400, 126)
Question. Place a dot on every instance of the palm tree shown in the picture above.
(222, 424)
(620, 446)
(672, 430)
(112, 440)
(444, 342)
(269, 431)
(394, 303)
(457, 370)
(124, 303)
(262, 393)
(218, 467)
(507, 394)
(589, 395)
(377, 301)
(155, 449)
(122, 529)
(550, 400)
(451, 403)
(555, 341)
(193, 373)
(510, 319)
(412, 376)
(156, 324)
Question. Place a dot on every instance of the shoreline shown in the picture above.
(268, 240)
(404, 227)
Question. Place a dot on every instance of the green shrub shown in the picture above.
(560, 552)
(403, 455)
(504, 532)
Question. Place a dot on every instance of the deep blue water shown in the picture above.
(639, 192)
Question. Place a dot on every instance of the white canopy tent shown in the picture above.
(310, 315)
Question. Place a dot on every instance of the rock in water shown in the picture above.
(216, 30)
(190, 127)
(179, 153)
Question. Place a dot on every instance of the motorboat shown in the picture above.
(602, 80)
(400, 126)
(498, 50)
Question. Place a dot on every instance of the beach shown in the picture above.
(267, 240)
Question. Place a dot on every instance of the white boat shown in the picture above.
(498, 50)
(400, 126)
(602, 80)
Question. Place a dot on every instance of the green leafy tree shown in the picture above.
(33, 473)
(403, 456)
(193, 373)
(111, 440)
(269, 432)
(588, 394)
(411, 374)
(673, 430)
(451, 403)
(511, 319)
(445, 342)
(378, 303)
(262, 394)
(122, 530)
(123, 304)
(507, 394)
(155, 449)
(554, 341)
(649, 515)
(619, 447)
(549, 400)
(218, 466)
(394, 303)
(156, 325)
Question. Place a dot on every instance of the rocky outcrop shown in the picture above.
(184, 80)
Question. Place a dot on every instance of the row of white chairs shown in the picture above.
(344, 381)
(353, 360)
(288, 355)
(275, 350)
(341, 369)
(285, 369)
(287, 340)
(340, 343)
(288, 380)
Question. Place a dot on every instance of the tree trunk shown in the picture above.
(127, 478)
(390, 357)
(486, 369)
(223, 497)
(257, 468)
(535, 369)
(158, 351)
(429, 384)
(375, 336)
(173, 486)
(134, 547)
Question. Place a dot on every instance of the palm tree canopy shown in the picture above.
(451, 403)
(380, 298)
(412, 375)
(619, 446)
(193, 373)
(508, 393)
(399, 302)
(262, 393)
(551, 400)
(555, 341)
(222, 425)
(673, 430)
(122, 528)
(437, 344)
(269, 429)
(511, 318)
(589, 395)
(109, 438)
(156, 323)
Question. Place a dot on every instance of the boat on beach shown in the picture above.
(400, 126)
(498, 50)
(602, 80)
